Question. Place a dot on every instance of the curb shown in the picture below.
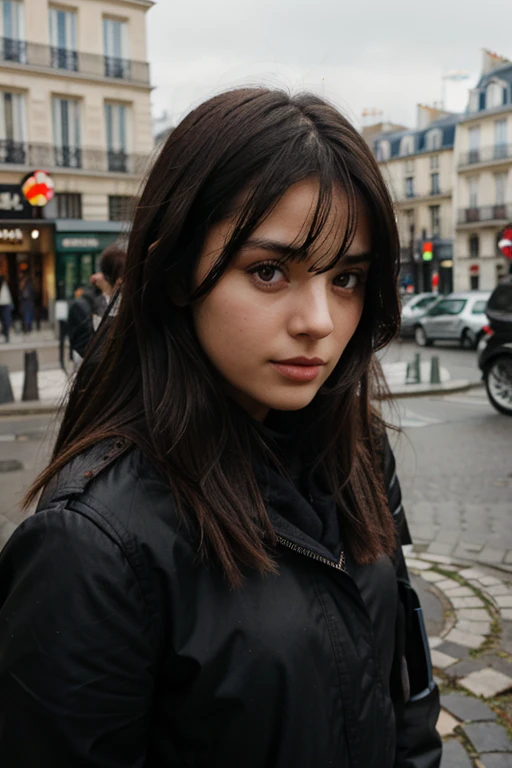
(419, 390)
(472, 667)
(30, 408)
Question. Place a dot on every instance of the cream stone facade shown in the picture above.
(483, 188)
(418, 166)
(74, 101)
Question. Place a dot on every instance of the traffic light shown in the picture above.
(428, 251)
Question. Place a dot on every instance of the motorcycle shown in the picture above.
(495, 349)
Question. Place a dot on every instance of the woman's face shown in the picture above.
(275, 332)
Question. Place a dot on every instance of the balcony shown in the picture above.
(487, 214)
(48, 58)
(82, 160)
(493, 154)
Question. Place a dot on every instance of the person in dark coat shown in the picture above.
(27, 302)
(214, 575)
(80, 325)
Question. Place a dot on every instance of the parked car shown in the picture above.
(457, 317)
(415, 308)
(495, 349)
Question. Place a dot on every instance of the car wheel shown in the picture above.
(468, 340)
(421, 337)
(498, 383)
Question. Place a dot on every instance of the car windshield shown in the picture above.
(427, 301)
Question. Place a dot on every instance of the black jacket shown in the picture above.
(118, 649)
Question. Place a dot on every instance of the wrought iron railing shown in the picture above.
(49, 156)
(485, 213)
(50, 57)
(485, 155)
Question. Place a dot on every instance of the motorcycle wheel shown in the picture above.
(498, 383)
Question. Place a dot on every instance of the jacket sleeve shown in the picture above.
(77, 648)
(418, 743)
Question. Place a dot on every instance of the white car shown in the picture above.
(415, 308)
(457, 317)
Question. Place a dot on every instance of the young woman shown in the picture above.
(214, 576)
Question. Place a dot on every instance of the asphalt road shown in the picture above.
(453, 458)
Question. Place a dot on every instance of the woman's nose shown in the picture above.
(310, 314)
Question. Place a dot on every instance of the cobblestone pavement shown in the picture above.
(454, 462)
(472, 658)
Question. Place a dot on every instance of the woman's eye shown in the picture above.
(268, 273)
(349, 280)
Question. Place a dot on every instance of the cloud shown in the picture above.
(386, 56)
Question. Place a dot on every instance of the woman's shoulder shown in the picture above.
(117, 486)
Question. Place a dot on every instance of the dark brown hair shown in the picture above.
(155, 386)
(112, 264)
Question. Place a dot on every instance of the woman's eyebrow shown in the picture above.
(273, 246)
(297, 251)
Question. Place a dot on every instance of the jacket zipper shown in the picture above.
(340, 565)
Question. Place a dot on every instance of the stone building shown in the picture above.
(75, 102)
(418, 167)
(483, 182)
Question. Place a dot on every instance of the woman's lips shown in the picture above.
(300, 369)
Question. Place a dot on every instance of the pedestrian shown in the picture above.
(27, 302)
(6, 306)
(80, 324)
(110, 276)
(214, 576)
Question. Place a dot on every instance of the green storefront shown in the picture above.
(77, 253)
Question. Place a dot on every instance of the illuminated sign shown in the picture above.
(38, 188)
(427, 251)
(11, 236)
(80, 242)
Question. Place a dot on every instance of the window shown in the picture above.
(409, 167)
(500, 181)
(435, 189)
(434, 162)
(494, 95)
(473, 191)
(383, 151)
(407, 145)
(115, 122)
(69, 205)
(66, 132)
(448, 307)
(435, 220)
(479, 308)
(63, 39)
(12, 128)
(12, 31)
(115, 46)
(434, 139)
(120, 207)
(500, 139)
(474, 101)
(474, 144)
(474, 246)
(474, 282)
(425, 303)
(409, 186)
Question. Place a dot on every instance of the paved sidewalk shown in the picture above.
(54, 383)
(471, 612)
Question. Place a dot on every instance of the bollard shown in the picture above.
(30, 388)
(435, 374)
(417, 368)
(6, 395)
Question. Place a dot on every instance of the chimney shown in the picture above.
(492, 61)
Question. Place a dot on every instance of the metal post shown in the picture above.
(30, 388)
(6, 395)
(417, 368)
(435, 374)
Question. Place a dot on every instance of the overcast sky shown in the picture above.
(381, 54)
